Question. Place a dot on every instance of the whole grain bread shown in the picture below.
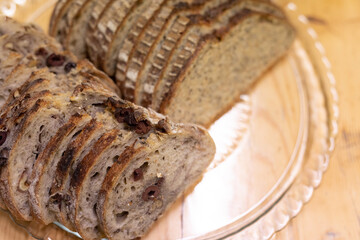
(148, 176)
(75, 151)
(126, 33)
(211, 20)
(54, 16)
(97, 13)
(78, 27)
(113, 19)
(149, 40)
(261, 39)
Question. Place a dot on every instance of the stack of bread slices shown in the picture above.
(188, 59)
(72, 151)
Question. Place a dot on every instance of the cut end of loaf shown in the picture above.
(225, 67)
(154, 178)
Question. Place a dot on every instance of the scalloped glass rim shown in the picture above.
(318, 100)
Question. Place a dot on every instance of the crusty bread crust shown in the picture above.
(36, 205)
(56, 18)
(125, 37)
(113, 19)
(168, 96)
(147, 42)
(55, 15)
(97, 13)
(5, 186)
(63, 169)
(209, 18)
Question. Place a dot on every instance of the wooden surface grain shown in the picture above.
(334, 210)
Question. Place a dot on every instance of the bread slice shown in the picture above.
(17, 46)
(42, 173)
(78, 27)
(59, 20)
(140, 50)
(91, 171)
(148, 177)
(27, 141)
(68, 14)
(115, 18)
(96, 14)
(261, 40)
(54, 16)
(81, 209)
(127, 32)
(158, 60)
(150, 45)
(75, 151)
(214, 18)
(131, 40)
(64, 84)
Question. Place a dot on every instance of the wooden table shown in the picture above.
(334, 211)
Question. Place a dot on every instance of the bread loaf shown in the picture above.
(153, 174)
(266, 38)
(210, 17)
(113, 19)
(63, 129)
(125, 35)
(154, 53)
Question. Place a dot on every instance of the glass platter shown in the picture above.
(272, 147)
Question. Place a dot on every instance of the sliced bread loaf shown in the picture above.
(42, 173)
(241, 43)
(212, 19)
(91, 171)
(75, 150)
(127, 32)
(54, 16)
(38, 84)
(78, 27)
(26, 142)
(97, 13)
(148, 176)
(149, 50)
(123, 51)
(140, 50)
(115, 18)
